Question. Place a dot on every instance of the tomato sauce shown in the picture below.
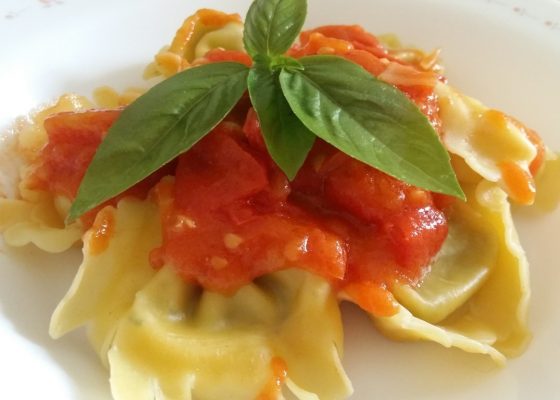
(102, 231)
(355, 44)
(229, 215)
(73, 139)
(273, 389)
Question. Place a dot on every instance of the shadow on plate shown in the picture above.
(385, 369)
(31, 285)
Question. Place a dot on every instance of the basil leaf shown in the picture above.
(288, 141)
(271, 26)
(369, 120)
(164, 122)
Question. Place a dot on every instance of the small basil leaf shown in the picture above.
(271, 26)
(369, 120)
(288, 141)
(164, 122)
(279, 62)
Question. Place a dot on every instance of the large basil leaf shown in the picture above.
(370, 120)
(166, 121)
(271, 26)
(288, 141)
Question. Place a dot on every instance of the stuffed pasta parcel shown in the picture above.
(225, 212)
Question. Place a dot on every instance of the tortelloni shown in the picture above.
(476, 294)
(36, 216)
(481, 136)
(35, 219)
(201, 32)
(488, 144)
(168, 339)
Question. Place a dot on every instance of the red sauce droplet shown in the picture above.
(520, 183)
(273, 388)
(102, 231)
(536, 141)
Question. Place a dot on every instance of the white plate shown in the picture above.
(506, 53)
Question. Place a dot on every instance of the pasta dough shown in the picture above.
(37, 217)
(482, 137)
(165, 337)
(493, 319)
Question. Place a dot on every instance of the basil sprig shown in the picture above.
(295, 100)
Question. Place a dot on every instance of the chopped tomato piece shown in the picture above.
(252, 129)
(354, 34)
(404, 214)
(363, 191)
(222, 55)
(536, 140)
(356, 45)
(372, 298)
(217, 172)
(520, 183)
(416, 235)
(73, 140)
(368, 61)
(223, 256)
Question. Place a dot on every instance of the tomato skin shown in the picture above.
(354, 34)
(372, 298)
(368, 61)
(222, 55)
(355, 44)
